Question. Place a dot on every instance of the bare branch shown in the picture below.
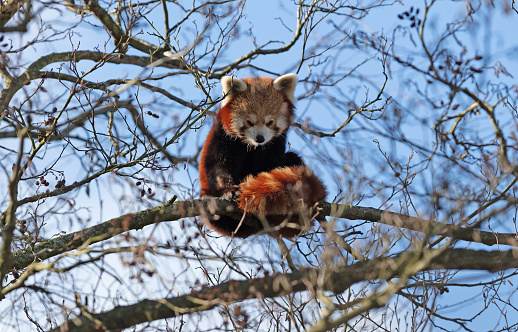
(335, 280)
(172, 211)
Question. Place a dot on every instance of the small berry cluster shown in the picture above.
(412, 16)
(156, 116)
(143, 191)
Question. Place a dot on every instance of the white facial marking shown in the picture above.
(253, 133)
(237, 124)
(282, 124)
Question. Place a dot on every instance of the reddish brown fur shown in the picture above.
(285, 191)
(204, 183)
(268, 179)
(281, 191)
(225, 118)
(261, 99)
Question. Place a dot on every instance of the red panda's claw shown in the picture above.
(232, 193)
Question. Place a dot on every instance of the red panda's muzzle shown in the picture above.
(258, 135)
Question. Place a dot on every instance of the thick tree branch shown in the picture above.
(7, 10)
(418, 224)
(172, 211)
(336, 280)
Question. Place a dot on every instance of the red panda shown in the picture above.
(245, 156)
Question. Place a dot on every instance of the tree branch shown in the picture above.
(418, 224)
(7, 10)
(171, 211)
(33, 71)
(336, 280)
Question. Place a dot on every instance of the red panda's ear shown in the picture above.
(231, 85)
(286, 84)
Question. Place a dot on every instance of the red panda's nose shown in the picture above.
(259, 139)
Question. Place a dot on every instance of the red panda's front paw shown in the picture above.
(232, 193)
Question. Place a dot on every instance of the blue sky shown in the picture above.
(491, 36)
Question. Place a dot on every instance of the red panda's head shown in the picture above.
(257, 109)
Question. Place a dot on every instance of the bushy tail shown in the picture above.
(283, 195)
(286, 191)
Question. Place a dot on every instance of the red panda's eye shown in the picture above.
(269, 123)
(250, 123)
